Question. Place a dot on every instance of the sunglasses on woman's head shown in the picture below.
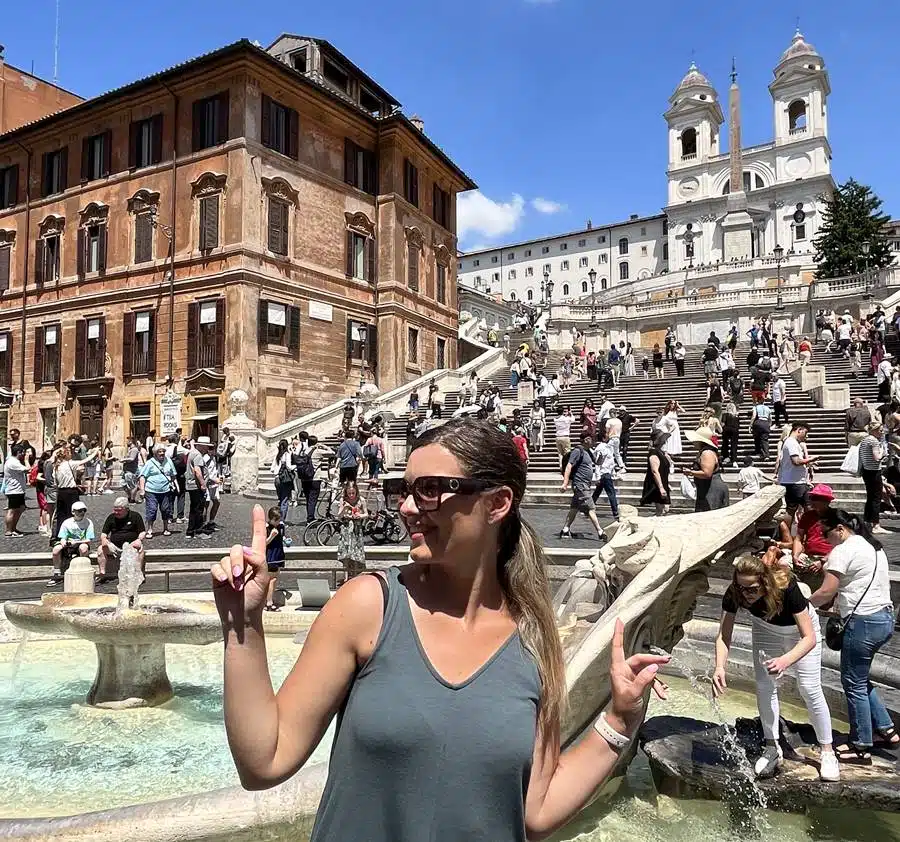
(429, 491)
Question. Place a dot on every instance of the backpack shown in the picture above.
(304, 464)
(180, 462)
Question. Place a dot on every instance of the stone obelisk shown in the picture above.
(737, 225)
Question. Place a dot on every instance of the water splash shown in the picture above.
(743, 796)
(131, 577)
(17, 660)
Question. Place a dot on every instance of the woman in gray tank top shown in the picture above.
(446, 675)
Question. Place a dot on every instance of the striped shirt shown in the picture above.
(870, 454)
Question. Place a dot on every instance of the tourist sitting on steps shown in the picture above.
(448, 672)
(785, 636)
(123, 526)
(75, 536)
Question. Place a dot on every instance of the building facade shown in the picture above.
(25, 97)
(784, 183)
(253, 219)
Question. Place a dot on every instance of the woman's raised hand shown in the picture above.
(241, 578)
(629, 680)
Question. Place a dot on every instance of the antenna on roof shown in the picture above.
(56, 47)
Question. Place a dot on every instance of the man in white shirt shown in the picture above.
(793, 471)
(883, 378)
(604, 465)
(779, 398)
(563, 428)
(604, 412)
(844, 333)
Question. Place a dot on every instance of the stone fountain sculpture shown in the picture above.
(649, 575)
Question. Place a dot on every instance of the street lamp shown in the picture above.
(592, 275)
(549, 300)
(778, 251)
(544, 283)
(362, 336)
(866, 248)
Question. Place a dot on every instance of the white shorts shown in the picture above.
(213, 492)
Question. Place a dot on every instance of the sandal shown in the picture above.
(887, 737)
(853, 755)
(272, 607)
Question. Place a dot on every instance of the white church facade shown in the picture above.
(726, 216)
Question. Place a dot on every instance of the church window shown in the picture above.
(689, 143)
(758, 183)
(797, 116)
(529, 294)
(512, 296)
(584, 286)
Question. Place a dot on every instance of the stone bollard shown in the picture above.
(79, 577)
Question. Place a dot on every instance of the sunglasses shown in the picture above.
(429, 491)
(748, 589)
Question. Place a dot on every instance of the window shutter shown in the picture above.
(40, 260)
(82, 252)
(293, 134)
(101, 248)
(262, 323)
(193, 334)
(370, 172)
(372, 347)
(127, 343)
(64, 168)
(220, 333)
(209, 222)
(80, 347)
(85, 159)
(107, 152)
(435, 203)
(57, 350)
(143, 238)
(413, 255)
(102, 343)
(349, 254)
(285, 227)
(222, 107)
(39, 355)
(197, 126)
(349, 339)
(132, 145)
(14, 177)
(9, 358)
(294, 330)
(151, 354)
(266, 128)
(275, 226)
(349, 162)
(370, 259)
(4, 268)
(156, 139)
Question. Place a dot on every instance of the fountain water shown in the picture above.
(131, 577)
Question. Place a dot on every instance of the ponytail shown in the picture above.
(840, 517)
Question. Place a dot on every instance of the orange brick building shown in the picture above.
(257, 219)
(24, 97)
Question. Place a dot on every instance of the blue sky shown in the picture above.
(553, 106)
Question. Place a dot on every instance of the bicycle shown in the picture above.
(385, 527)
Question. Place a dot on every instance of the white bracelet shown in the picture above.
(616, 740)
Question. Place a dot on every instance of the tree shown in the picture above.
(851, 217)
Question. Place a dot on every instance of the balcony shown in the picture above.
(797, 130)
(690, 156)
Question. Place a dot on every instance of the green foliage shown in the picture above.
(851, 217)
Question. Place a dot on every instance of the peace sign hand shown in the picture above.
(240, 579)
(629, 681)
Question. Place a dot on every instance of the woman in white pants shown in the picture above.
(786, 636)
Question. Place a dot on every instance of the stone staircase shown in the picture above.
(838, 368)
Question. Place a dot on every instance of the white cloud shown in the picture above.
(479, 215)
(546, 206)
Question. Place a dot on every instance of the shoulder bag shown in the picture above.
(836, 626)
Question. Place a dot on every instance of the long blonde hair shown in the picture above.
(775, 580)
(485, 452)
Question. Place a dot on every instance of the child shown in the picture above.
(521, 444)
(274, 554)
(645, 365)
(855, 359)
(350, 551)
(749, 477)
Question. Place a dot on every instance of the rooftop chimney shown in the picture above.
(633, 216)
(418, 122)
(589, 225)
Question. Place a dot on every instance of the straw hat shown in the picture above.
(702, 435)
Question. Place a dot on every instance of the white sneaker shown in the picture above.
(769, 762)
(879, 530)
(829, 770)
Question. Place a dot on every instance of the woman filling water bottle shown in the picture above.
(785, 636)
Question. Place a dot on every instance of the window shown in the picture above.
(410, 182)
(90, 348)
(477, 280)
(441, 355)
(797, 117)
(95, 156)
(565, 290)
(512, 296)
(210, 121)
(298, 60)
(412, 345)
(546, 268)
(529, 294)
(601, 239)
(92, 248)
(369, 101)
(9, 186)
(54, 172)
(335, 75)
(46, 355)
(206, 327)
(584, 286)
(494, 259)
(758, 182)
(511, 275)
(278, 326)
(495, 276)
(280, 128)
(529, 271)
(665, 225)
(623, 271)
(602, 283)
(623, 245)
(47, 259)
(143, 237)
(665, 255)
(689, 143)
(139, 425)
(360, 256)
(800, 232)
(209, 222)
(279, 228)
(412, 266)
(582, 262)
(545, 249)
(459, 266)
(139, 344)
(643, 251)
(5, 266)
(6, 358)
(582, 243)
(440, 203)
(527, 252)
(602, 258)
(511, 256)
(564, 265)
(476, 263)
(563, 246)
(440, 292)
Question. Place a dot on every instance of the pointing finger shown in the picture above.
(618, 647)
